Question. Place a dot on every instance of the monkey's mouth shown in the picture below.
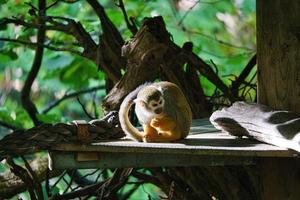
(158, 111)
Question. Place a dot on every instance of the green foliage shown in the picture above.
(221, 31)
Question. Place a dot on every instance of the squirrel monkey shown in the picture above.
(161, 108)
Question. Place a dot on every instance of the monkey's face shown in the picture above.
(152, 107)
(151, 102)
(156, 106)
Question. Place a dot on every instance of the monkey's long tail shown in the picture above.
(126, 125)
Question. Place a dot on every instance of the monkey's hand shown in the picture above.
(163, 124)
(155, 122)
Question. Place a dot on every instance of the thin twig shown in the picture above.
(246, 71)
(84, 109)
(145, 177)
(31, 6)
(210, 2)
(130, 24)
(80, 180)
(70, 182)
(90, 174)
(36, 182)
(109, 186)
(47, 182)
(187, 12)
(95, 105)
(59, 179)
(215, 66)
(71, 95)
(218, 40)
(70, 27)
(117, 181)
(208, 72)
(99, 176)
(226, 57)
(91, 189)
(42, 45)
(8, 126)
(24, 176)
(241, 78)
(53, 4)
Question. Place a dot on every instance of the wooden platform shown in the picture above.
(204, 146)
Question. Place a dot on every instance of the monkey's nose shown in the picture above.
(158, 110)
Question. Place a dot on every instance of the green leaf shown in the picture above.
(78, 73)
(249, 6)
(4, 60)
(5, 115)
(3, 1)
(22, 118)
(10, 53)
(58, 61)
(3, 26)
(55, 190)
(48, 118)
(236, 64)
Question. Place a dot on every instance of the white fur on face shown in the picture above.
(154, 105)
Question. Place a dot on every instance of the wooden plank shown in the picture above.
(194, 145)
(67, 160)
(204, 146)
(204, 139)
(278, 54)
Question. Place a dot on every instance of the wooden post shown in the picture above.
(278, 54)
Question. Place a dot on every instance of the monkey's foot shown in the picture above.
(162, 137)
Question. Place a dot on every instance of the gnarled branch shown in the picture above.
(25, 93)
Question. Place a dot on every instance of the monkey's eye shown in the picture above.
(160, 102)
(154, 105)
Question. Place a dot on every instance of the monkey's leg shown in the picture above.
(149, 132)
(166, 128)
(167, 136)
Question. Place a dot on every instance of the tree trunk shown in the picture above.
(278, 53)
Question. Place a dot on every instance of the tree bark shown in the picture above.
(152, 55)
(278, 54)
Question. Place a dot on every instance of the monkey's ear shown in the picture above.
(140, 102)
